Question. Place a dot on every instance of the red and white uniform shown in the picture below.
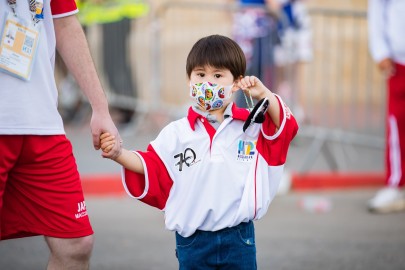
(386, 29)
(209, 179)
(40, 187)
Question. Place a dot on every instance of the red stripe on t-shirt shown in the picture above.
(59, 7)
(257, 161)
(160, 182)
(274, 151)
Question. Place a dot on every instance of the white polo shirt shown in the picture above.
(30, 107)
(209, 179)
(386, 24)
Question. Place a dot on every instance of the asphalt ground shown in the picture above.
(303, 229)
(130, 235)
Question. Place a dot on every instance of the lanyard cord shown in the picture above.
(250, 104)
(33, 4)
(12, 4)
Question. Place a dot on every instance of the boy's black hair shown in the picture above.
(219, 52)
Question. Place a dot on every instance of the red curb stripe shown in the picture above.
(102, 185)
(336, 180)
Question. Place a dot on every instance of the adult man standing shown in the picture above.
(40, 189)
(387, 46)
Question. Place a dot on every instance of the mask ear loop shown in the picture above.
(251, 104)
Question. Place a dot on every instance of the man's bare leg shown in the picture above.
(69, 253)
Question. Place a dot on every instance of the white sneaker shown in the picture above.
(387, 200)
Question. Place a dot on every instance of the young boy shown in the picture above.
(209, 176)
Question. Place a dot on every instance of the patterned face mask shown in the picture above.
(210, 96)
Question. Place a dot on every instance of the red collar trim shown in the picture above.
(192, 117)
(237, 113)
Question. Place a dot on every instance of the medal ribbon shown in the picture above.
(250, 104)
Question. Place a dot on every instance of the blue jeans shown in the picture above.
(230, 248)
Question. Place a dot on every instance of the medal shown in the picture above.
(256, 114)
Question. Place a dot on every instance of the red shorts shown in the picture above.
(40, 188)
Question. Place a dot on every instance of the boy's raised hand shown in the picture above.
(254, 86)
(258, 90)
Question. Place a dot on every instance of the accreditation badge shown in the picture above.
(19, 42)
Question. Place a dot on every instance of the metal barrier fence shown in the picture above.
(344, 94)
(340, 91)
(113, 48)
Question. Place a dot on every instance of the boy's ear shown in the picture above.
(235, 83)
(237, 80)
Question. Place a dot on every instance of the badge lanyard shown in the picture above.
(36, 8)
(19, 40)
(12, 4)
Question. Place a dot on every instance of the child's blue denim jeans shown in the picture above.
(230, 248)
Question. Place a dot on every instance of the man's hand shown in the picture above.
(387, 67)
(100, 124)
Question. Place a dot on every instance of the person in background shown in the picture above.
(117, 22)
(216, 170)
(40, 187)
(386, 23)
(292, 52)
(255, 30)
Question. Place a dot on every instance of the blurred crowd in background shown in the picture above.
(274, 34)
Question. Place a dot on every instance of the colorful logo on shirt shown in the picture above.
(246, 150)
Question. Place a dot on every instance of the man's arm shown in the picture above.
(72, 45)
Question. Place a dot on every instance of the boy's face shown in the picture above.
(211, 74)
(220, 76)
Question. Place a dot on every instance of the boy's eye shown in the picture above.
(200, 74)
(217, 76)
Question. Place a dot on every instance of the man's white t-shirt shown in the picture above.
(30, 107)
